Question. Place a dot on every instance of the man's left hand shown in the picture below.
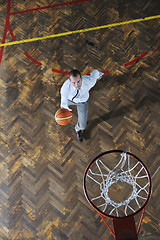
(99, 78)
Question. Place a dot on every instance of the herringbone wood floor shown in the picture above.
(41, 163)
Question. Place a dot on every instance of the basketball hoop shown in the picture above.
(118, 186)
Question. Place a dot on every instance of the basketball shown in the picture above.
(63, 116)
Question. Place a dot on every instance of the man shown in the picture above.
(75, 91)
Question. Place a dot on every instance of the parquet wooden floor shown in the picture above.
(41, 163)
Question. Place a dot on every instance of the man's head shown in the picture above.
(75, 78)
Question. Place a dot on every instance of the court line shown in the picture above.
(5, 29)
(32, 59)
(59, 71)
(10, 30)
(79, 31)
(25, 53)
(136, 59)
(8, 27)
(47, 7)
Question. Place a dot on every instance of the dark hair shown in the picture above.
(74, 73)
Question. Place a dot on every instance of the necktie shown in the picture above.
(75, 95)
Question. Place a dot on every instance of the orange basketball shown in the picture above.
(63, 116)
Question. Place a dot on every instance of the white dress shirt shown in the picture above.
(68, 91)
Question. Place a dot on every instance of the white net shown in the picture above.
(120, 191)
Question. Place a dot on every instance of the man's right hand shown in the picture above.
(67, 108)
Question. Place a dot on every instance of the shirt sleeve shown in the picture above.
(93, 77)
(64, 96)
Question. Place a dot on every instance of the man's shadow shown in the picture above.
(152, 95)
(106, 117)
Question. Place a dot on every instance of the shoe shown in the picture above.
(79, 136)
